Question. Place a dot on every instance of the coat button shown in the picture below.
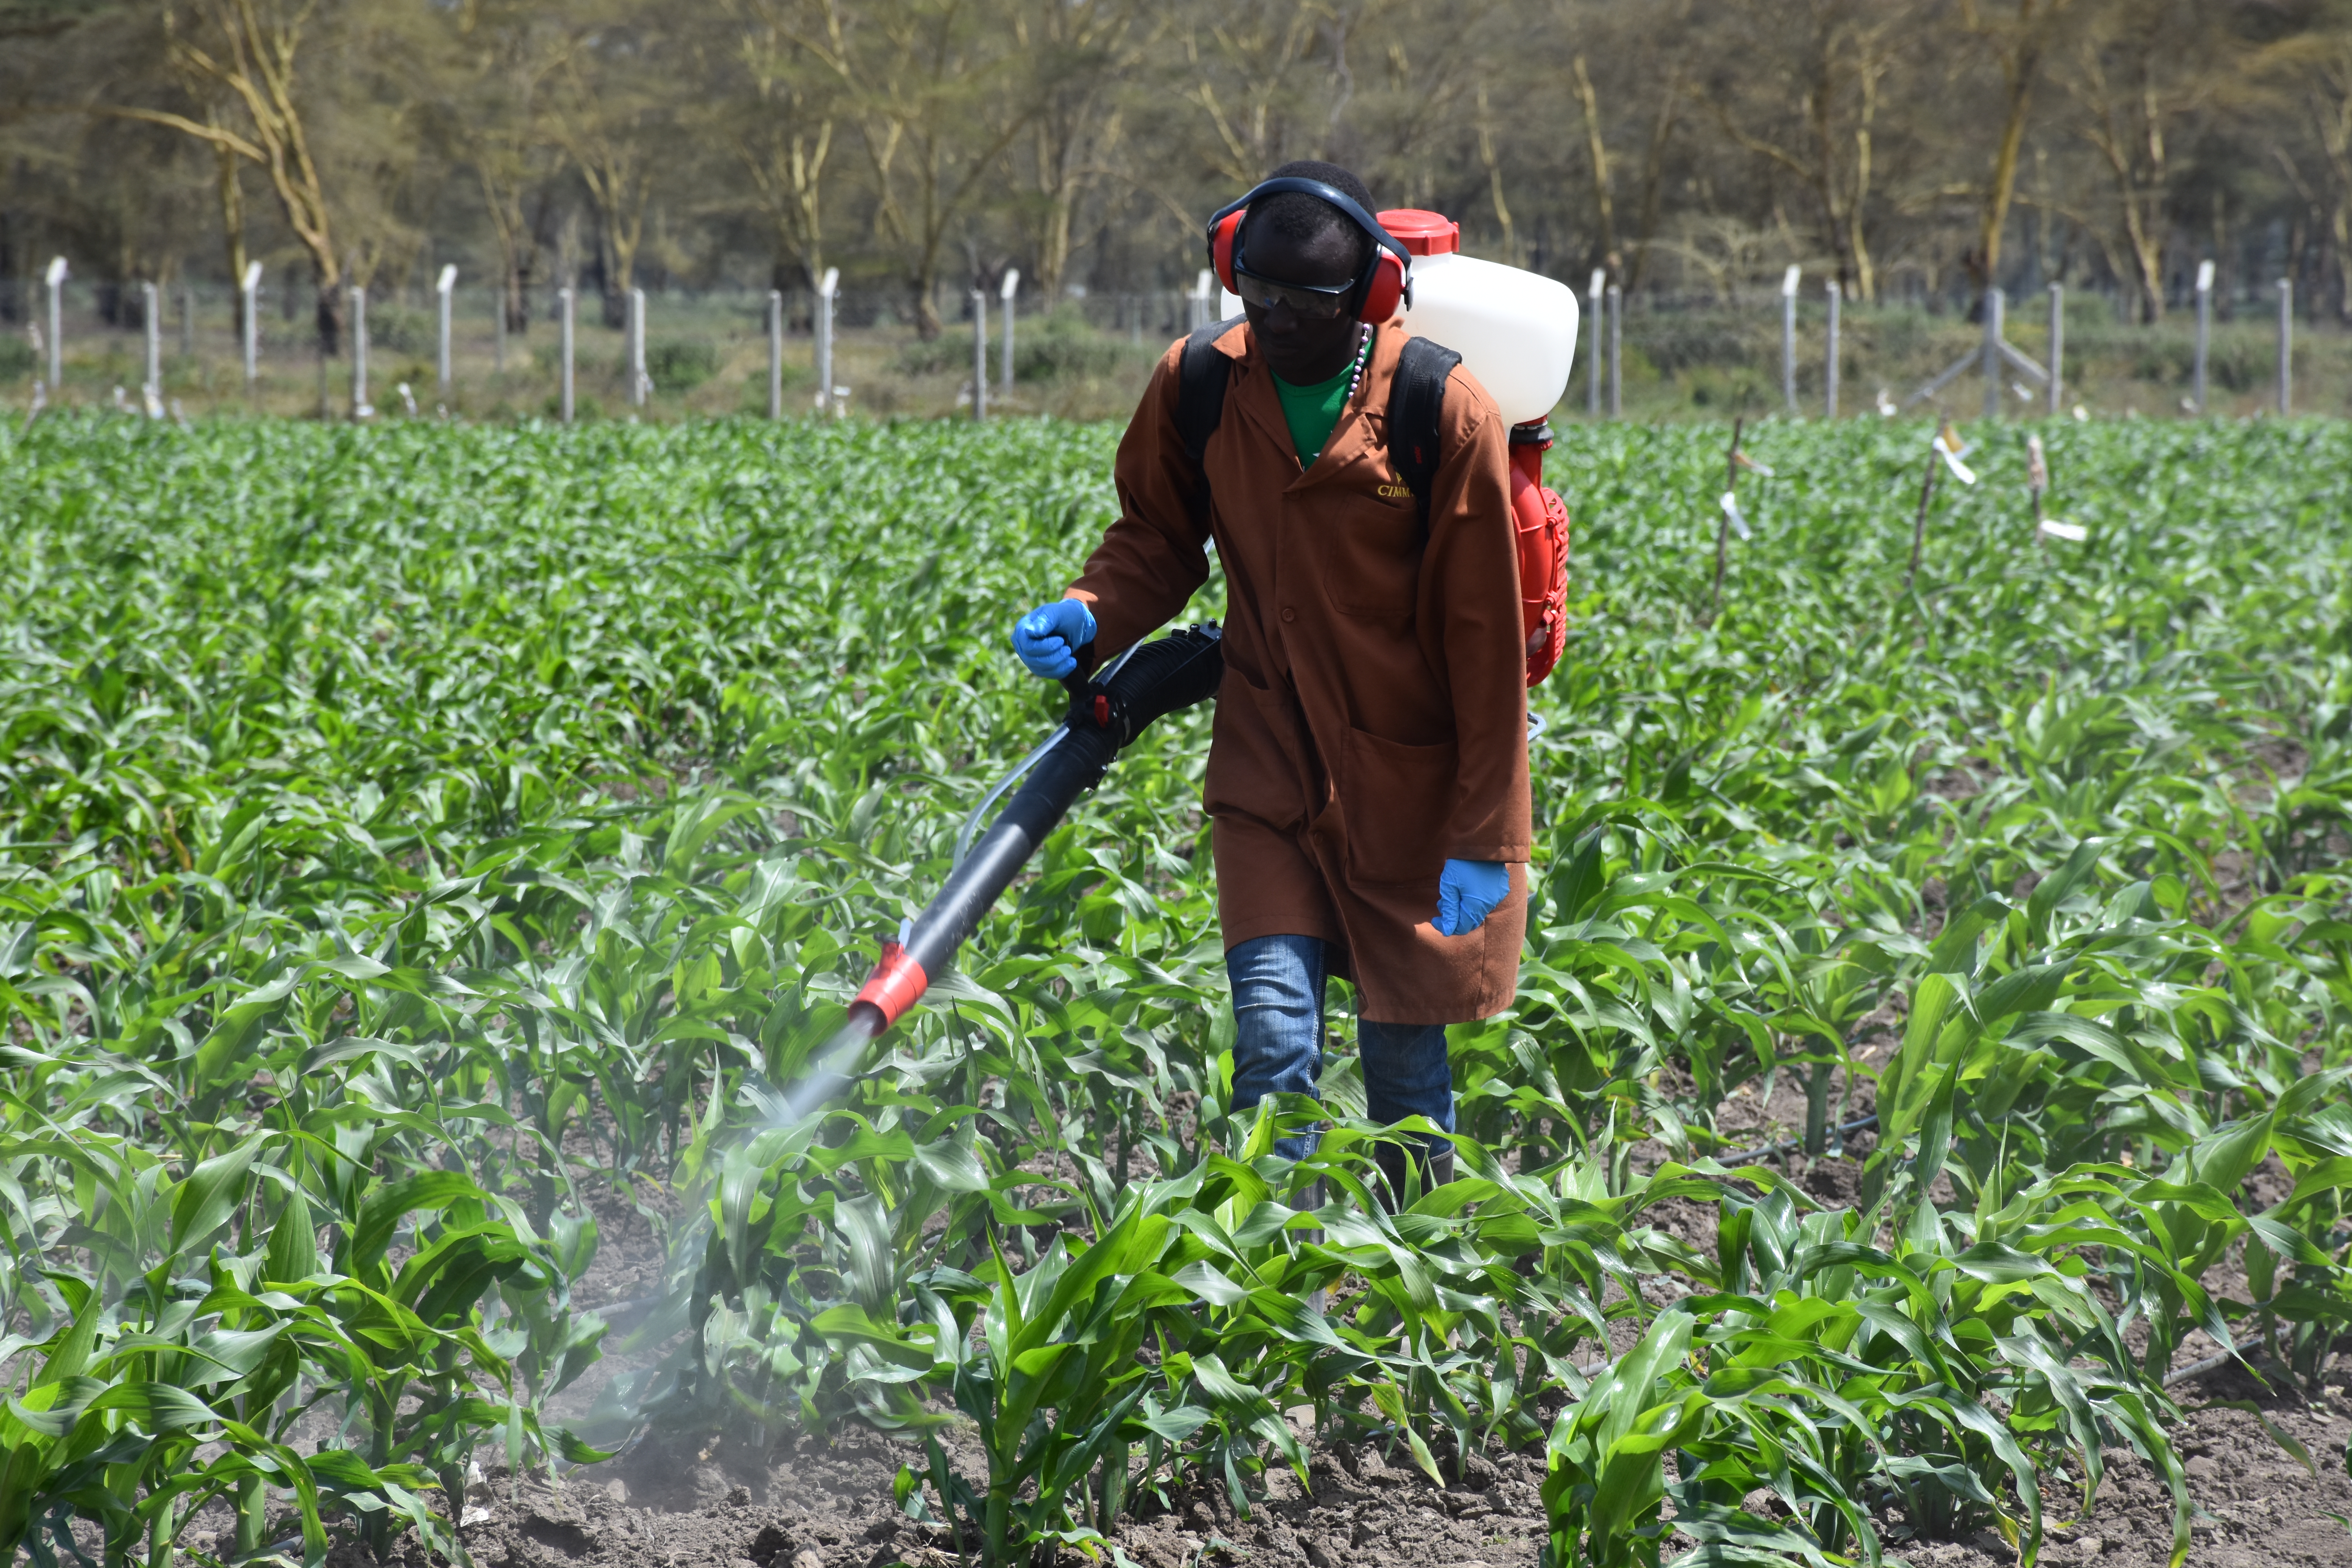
(1288, 614)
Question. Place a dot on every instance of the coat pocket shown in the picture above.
(1254, 755)
(1397, 798)
(1371, 561)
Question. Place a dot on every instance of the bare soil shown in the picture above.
(806, 1504)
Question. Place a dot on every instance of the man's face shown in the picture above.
(1302, 349)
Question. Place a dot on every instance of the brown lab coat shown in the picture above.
(1373, 721)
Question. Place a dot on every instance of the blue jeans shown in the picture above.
(1277, 984)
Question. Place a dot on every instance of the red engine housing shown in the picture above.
(1542, 524)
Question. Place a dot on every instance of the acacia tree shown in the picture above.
(2135, 74)
(779, 117)
(1835, 55)
(496, 121)
(252, 51)
(926, 84)
(1081, 55)
(2018, 37)
(609, 119)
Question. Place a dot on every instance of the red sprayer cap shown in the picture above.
(1422, 232)
(894, 986)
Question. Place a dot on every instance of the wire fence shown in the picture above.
(1642, 356)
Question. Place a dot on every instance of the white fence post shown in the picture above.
(1204, 293)
(1788, 336)
(445, 285)
(359, 408)
(251, 289)
(1593, 296)
(775, 354)
(499, 327)
(564, 300)
(979, 354)
(1995, 308)
(1012, 283)
(2057, 344)
(1830, 388)
(2286, 347)
(187, 320)
(151, 304)
(56, 276)
(2204, 332)
(1616, 351)
(828, 289)
(638, 379)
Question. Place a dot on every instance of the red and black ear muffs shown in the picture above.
(1382, 285)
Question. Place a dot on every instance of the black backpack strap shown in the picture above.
(1200, 377)
(1416, 403)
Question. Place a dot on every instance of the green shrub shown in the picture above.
(681, 364)
(402, 330)
(1062, 345)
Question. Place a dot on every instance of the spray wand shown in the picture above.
(1155, 679)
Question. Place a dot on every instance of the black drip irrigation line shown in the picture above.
(1790, 1145)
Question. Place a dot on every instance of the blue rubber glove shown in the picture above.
(1048, 637)
(1467, 892)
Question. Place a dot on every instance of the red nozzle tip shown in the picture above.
(897, 982)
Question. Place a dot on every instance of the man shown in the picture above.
(1368, 777)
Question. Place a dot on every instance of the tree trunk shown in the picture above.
(232, 205)
(1597, 150)
(1653, 173)
(331, 313)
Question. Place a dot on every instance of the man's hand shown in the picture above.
(1467, 892)
(1048, 637)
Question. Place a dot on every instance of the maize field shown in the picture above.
(429, 852)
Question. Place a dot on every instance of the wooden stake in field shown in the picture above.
(2037, 480)
(1947, 449)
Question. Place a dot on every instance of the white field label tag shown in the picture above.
(2052, 527)
(1731, 511)
(1960, 470)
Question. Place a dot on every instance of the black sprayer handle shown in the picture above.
(1159, 678)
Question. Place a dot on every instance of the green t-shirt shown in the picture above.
(1311, 411)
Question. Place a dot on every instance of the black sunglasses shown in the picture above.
(1312, 301)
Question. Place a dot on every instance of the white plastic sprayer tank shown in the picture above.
(1516, 330)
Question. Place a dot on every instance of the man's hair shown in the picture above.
(1296, 215)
